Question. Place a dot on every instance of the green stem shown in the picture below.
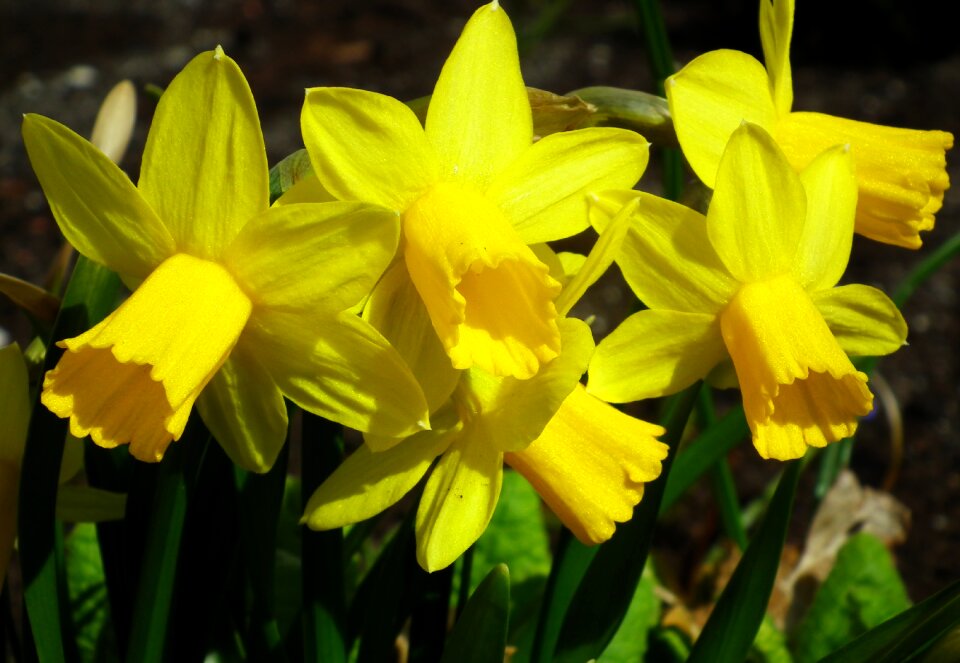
(721, 478)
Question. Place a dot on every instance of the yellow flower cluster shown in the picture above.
(406, 289)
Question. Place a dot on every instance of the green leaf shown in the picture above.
(324, 594)
(901, 638)
(90, 296)
(629, 645)
(736, 618)
(480, 635)
(770, 645)
(608, 585)
(88, 595)
(703, 453)
(84, 504)
(862, 590)
(293, 168)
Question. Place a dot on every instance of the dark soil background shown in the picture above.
(896, 63)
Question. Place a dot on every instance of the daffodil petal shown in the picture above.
(204, 165)
(602, 255)
(655, 353)
(863, 319)
(308, 190)
(97, 207)
(666, 257)
(543, 192)
(776, 30)
(458, 499)
(367, 146)
(368, 482)
(756, 229)
(245, 412)
(514, 412)
(341, 368)
(831, 188)
(590, 465)
(323, 256)
(479, 119)
(396, 311)
(14, 404)
(709, 98)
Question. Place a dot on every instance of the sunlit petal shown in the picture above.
(244, 411)
(756, 229)
(543, 192)
(95, 204)
(458, 499)
(367, 146)
(204, 166)
(863, 319)
(709, 98)
(655, 353)
(479, 118)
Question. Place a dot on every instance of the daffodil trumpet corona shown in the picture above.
(754, 282)
(901, 173)
(235, 303)
(473, 192)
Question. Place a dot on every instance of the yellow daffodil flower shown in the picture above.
(236, 304)
(901, 173)
(587, 460)
(754, 282)
(473, 191)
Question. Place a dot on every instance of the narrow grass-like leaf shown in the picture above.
(34, 301)
(570, 563)
(736, 618)
(704, 452)
(721, 478)
(607, 588)
(324, 598)
(148, 637)
(629, 645)
(384, 599)
(480, 635)
(431, 612)
(903, 637)
(90, 296)
(260, 497)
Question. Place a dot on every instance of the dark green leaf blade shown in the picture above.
(737, 616)
(607, 588)
(480, 635)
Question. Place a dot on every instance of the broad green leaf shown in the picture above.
(480, 635)
(88, 595)
(902, 637)
(629, 645)
(736, 618)
(862, 590)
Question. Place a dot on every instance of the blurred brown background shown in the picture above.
(893, 63)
